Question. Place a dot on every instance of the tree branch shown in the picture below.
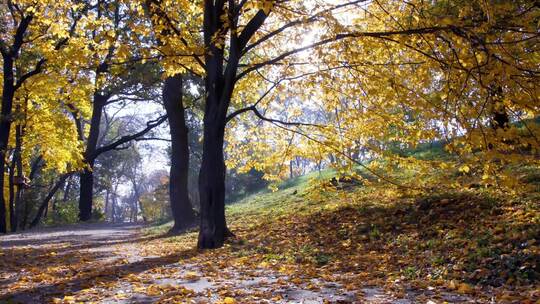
(311, 19)
(250, 108)
(124, 139)
(427, 30)
(19, 35)
(153, 138)
(37, 69)
(48, 198)
(3, 48)
(281, 122)
(251, 28)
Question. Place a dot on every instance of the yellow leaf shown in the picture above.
(229, 300)
(191, 275)
(69, 299)
(465, 288)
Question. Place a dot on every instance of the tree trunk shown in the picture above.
(213, 230)
(291, 174)
(46, 201)
(113, 208)
(16, 166)
(219, 85)
(8, 92)
(19, 207)
(114, 202)
(106, 203)
(19, 167)
(87, 176)
(11, 176)
(85, 195)
(181, 208)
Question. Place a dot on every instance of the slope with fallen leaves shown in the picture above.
(476, 242)
(369, 243)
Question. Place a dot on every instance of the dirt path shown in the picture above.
(91, 235)
(99, 263)
(40, 265)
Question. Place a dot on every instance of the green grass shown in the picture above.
(288, 198)
(300, 182)
(292, 196)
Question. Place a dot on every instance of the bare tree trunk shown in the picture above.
(15, 169)
(291, 173)
(87, 176)
(106, 203)
(213, 230)
(17, 158)
(11, 184)
(113, 209)
(44, 205)
(86, 195)
(181, 208)
(8, 92)
(114, 201)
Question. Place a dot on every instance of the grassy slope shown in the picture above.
(471, 241)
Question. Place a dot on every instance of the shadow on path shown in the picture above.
(39, 265)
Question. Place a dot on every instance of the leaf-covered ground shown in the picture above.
(358, 245)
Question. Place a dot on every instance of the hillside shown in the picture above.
(469, 244)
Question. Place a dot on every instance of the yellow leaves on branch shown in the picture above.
(42, 104)
(390, 96)
(264, 5)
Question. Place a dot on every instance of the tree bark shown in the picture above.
(213, 227)
(86, 195)
(113, 208)
(11, 182)
(221, 77)
(35, 168)
(87, 176)
(181, 208)
(8, 92)
(15, 169)
(114, 202)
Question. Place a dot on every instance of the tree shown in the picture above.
(239, 22)
(182, 210)
(30, 47)
(120, 75)
(227, 28)
(181, 206)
